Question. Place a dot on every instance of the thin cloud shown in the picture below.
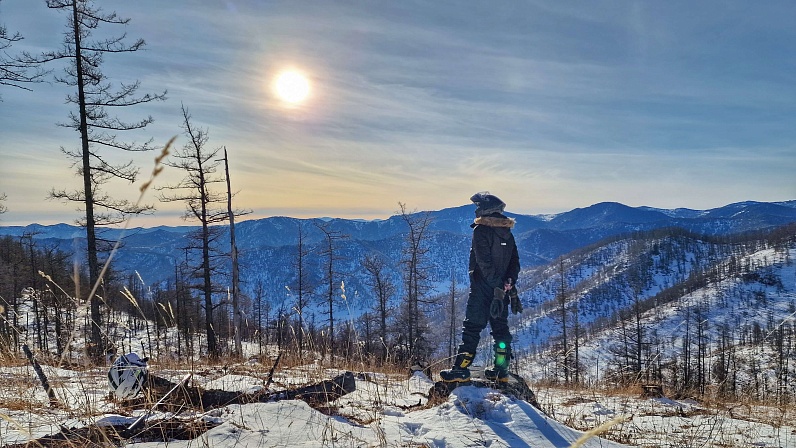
(553, 105)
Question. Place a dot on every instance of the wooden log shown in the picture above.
(174, 428)
(197, 397)
(42, 377)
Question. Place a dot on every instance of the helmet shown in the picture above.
(487, 203)
(127, 376)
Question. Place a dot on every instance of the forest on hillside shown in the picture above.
(700, 315)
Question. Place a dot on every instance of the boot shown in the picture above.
(496, 374)
(459, 373)
(500, 372)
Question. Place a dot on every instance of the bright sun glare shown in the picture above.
(292, 86)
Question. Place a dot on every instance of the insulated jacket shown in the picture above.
(493, 255)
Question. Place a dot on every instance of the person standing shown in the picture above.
(493, 269)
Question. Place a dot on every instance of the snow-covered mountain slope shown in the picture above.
(738, 319)
(661, 308)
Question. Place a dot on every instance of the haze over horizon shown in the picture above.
(144, 223)
(550, 106)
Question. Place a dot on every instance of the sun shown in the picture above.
(292, 86)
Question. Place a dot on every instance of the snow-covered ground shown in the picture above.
(385, 410)
(388, 410)
(663, 422)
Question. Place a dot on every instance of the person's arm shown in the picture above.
(482, 247)
(513, 269)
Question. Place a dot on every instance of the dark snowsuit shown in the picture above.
(493, 261)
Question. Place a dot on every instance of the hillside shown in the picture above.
(670, 307)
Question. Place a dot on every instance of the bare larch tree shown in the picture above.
(383, 288)
(331, 276)
(301, 286)
(94, 95)
(202, 204)
(416, 272)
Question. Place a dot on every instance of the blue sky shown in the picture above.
(550, 105)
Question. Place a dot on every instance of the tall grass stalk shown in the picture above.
(600, 430)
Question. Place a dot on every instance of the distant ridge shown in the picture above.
(267, 243)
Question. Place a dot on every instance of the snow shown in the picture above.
(234, 383)
(390, 410)
(385, 410)
(470, 417)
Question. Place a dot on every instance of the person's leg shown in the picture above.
(499, 326)
(475, 320)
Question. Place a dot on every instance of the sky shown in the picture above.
(549, 105)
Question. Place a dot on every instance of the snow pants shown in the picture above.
(477, 316)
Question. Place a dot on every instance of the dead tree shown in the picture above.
(196, 191)
(330, 275)
(564, 316)
(384, 289)
(416, 272)
(94, 94)
(301, 286)
(233, 248)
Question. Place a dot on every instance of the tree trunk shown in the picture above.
(95, 348)
(234, 252)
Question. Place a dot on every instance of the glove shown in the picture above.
(516, 305)
(499, 293)
(496, 307)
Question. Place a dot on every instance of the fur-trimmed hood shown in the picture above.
(494, 221)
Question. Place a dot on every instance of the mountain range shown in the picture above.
(267, 246)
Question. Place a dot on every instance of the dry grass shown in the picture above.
(662, 422)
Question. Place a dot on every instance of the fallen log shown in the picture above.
(194, 396)
(104, 436)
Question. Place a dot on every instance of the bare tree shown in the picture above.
(639, 330)
(302, 285)
(262, 308)
(231, 214)
(452, 327)
(195, 190)
(98, 129)
(16, 72)
(562, 303)
(21, 258)
(576, 334)
(12, 262)
(330, 275)
(3, 207)
(383, 288)
(416, 280)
